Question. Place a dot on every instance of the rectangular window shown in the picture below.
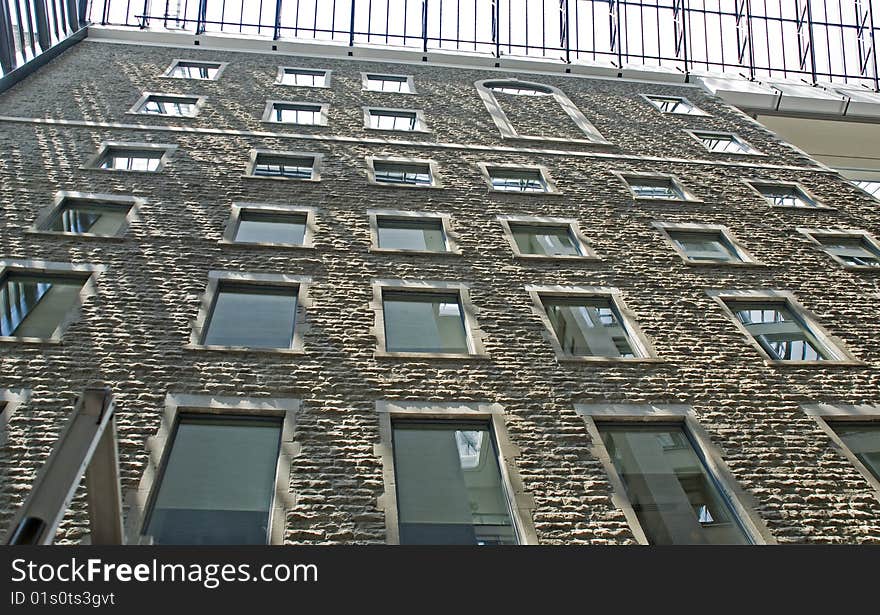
(303, 77)
(782, 334)
(191, 69)
(656, 188)
(401, 173)
(305, 114)
(411, 233)
(393, 119)
(168, 104)
(674, 104)
(122, 158)
(35, 305)
(270, 227)
(388, 83)
(545, 240)
(424, 322)
(705, 246)
(589, 326)
(863, 440)
(217, 482)
(786, 195)
(872, 187)
(252, 316)
(517, 180)
(673, 494)
(449, 484)
(724, 143)
(266, 164)
(854, 250)
(87, 216)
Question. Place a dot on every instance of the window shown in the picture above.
(786, 195)
(405, 231)
(304, 114)
(545, 237)
(852, 249)
(303, 77)
(517, 179)
(656, 188)
(673, 495)
(704, 244)
(193, 69)
(424, 322)
(516, 88)
(449, 484)
(90, 215)
(872, 187)
(217, 482)
(137, 157)
(394, 119)
(284, 165)
(274, 225)
(402, 84)
(863, 439)
(402, 173)
(723, 143)
(674, 104)
(168, 104)
(10, 400)
(780, 327)
(35, 305)
(590, 326)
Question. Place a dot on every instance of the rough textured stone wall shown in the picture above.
(132, 333)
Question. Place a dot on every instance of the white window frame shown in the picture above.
(743, 504)
(473, 334)
(832, 345)
(323, 110)
(87, 273)
(430, 163)
(751, 150)
(168, 151)
(269, 208)
(582, 243)
(220, 68)
(695, 110)
(639, 342)
(138, 501)
(410, 81)
(136, 109)
(755, 184)
(486, 169)
(449, 236)
(282, 70)
(420, 124)
(813, 234)
(522, 503)
(718, 229)
(48, 214)
(216, 279)
(626, 176)
(317, 162)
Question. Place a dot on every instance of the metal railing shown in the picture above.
(811, 40)
(29, 28)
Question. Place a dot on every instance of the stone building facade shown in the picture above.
(788, 476)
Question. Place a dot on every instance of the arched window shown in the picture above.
(581, 132)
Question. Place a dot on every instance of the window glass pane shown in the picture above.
(449, 486)
(674, 497)
(296, 114)
(169, 105)
(411, 234)
(518, 180)
(195, 70)
(423, 322)
(131, 159)
(75, 216)
(283, 166)
(672, 104)
(588, 327)
(34, 306)
(863, 439)
(723, 143)
(853, 250)
(516, 89)
(388, 83)
(398, 173)
(655, 188)
(872, 187)
(217, 483)
(258, 227)
(544, 240)
(780, 334)
(302, 77)
(393, 120)
(708, 247)
(252, 317)
(786, 196)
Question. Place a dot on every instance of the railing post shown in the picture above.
(201, 16)
(41, 17)
(614, 25)
(351, 26)
(496, 26)
(744, 35)
(424, 26)
(7, 44)
(276, 33)
(565, 29)
(679, 20)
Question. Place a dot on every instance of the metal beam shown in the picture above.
(87, 445)
(41, 17)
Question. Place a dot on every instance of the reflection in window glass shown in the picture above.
(785, 196)
(706, 247)
(449, 485)
(124, 159)
(269, 165)
(674, 104)
(195, 70)
(393, 120)
(517, 180)
(779, 332)
(304, 77)
(402, 173)
(516, 89)
(545, 240)
(266, 227)
(423, 234)
(673, 495)
(424, 322)
(252, 316)
(854, 250)
(872, 187)
(723, 143)
(294, 113)
(179, 106)
(863, 439)
(217, 483)
(388, 83)
(83, 216)
(36, 305)
(662, 188)
(589, 326)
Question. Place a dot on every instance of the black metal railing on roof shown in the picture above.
(810, 40)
